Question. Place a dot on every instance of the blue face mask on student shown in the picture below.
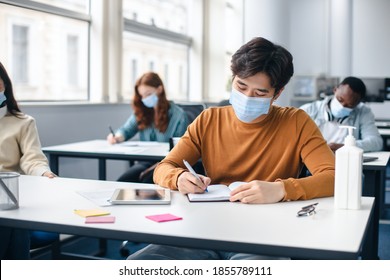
(338, 110)
(3, 98)
(247, 108)
(150, 101)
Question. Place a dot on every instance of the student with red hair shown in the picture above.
(154, 118)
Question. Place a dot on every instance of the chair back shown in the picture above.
(224, 102)
(43, 242)
(173, 141)
(192, 110)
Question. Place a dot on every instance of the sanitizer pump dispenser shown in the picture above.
(348, 174)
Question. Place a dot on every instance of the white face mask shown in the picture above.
(150, 101)
(247, 108)
(338, 110)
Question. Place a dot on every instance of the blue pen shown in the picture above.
(189, 167)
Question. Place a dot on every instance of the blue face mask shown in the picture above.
(150, 101)
(2, 98)
(338, 110)
(247, 108)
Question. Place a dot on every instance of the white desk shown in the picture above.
(374, 186)
(101, 150)
(272, 229)
(384, 131)
(375, 177)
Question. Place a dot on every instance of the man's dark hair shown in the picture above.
(356, 85)
(261, 55)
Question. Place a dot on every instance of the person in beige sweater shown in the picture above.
(20, 148)
(252, 141)
(20, 151)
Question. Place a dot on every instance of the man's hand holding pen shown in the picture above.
(190, 182)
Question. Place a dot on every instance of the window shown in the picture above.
(170, 15)
(156, 33)
(19, 53)
(72, 60)
(134, 71)
(53, 51)
(45, 47)
(223, 35)
(234, 37)
(151, 66)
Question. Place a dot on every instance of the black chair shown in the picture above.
(304, 172)
(192, 110)
(48, 245)
(224, 102)
(42, 242)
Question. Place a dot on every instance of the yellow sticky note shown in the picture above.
(90, 212)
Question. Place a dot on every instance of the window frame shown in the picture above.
(46, 8)
(156, 32)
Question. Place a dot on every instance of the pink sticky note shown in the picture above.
(99, 219)
(163, 218)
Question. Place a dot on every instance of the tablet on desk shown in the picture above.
(141, 196)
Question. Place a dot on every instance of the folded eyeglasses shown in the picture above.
(307, 210)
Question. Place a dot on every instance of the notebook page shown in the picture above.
(215, 192)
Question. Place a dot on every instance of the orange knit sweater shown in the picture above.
(270, 150)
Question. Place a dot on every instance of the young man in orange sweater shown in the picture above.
(252, 141)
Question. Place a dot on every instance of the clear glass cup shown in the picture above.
(9, 190)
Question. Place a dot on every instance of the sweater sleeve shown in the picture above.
(318, 158)
(369, 139)
(129, 128)
(32, 161)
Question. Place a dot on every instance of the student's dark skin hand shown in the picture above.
(256, 192)
(188, 183)
(335, 146)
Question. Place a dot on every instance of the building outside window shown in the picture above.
(20, 53)
(155, 32)
(73, 59)
(44, 46)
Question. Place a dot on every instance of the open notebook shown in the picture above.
(215, 193)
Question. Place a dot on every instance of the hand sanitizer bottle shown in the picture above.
(348, 174)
